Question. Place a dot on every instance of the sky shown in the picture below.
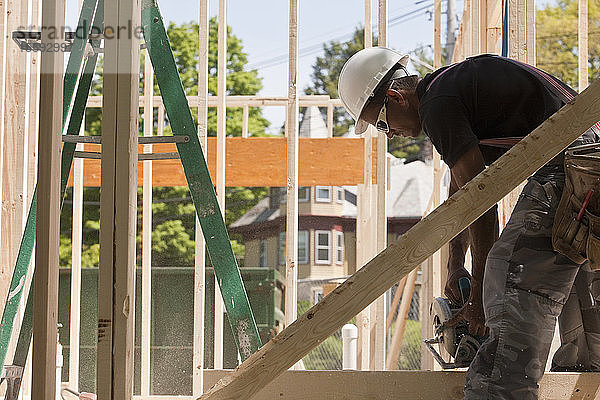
(262, 25)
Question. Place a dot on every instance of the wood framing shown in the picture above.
(267, 156)
(45, 306)
(422, 240)
(220, 171)
(396, 342)
(582, 44)
(291, 132)
(199, 244)
(13, 146)
(146, 309)
(379, 309)
(118, 205)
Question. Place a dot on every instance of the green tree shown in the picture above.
(556, 40)
(172, 209)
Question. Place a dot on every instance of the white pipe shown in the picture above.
(349, 343)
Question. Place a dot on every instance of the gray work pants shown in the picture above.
(526, 285)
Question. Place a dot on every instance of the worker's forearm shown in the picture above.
(457, 249)
(483, 234)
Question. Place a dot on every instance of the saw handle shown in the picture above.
(464, 285)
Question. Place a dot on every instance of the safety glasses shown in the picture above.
(382, 125)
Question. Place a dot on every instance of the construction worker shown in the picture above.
(472, 112)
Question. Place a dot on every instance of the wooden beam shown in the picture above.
(221, 157)
(118, 206)
(13, 147)
(422, 240)
(199, 243)
(45, 304)
(241, 101)
(380, 208)
(395, 302)
(582, 43)
(291, 132)
(267, 156)
(146, 310)
(530, 32)
(407, 295)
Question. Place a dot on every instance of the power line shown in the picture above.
(316, 48)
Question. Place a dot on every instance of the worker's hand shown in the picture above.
(472, 312)
(452, 291)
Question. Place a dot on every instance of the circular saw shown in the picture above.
(457, 343)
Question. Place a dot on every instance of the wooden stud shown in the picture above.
(530, 32)
(493, 39)
(582, 43)
(118, 208)
(45, 306)
(199, 244)
(291, 132)
(468, 31)
(13, 146)
(245, 117)
(395, 302)
(146, 310)
(330, 120)
(76, 243)
(411, 249)
(407, 295)
(221, 133)
(380, 210)
(437, 33)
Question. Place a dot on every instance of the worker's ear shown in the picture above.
(398, 97)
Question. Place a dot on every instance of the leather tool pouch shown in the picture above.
(576, 229)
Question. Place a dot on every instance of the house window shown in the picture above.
(317, 295)
(282, 248)
(303, 194)
(339, 196)
(339, 247)
(323, 247)
(302, 247)
(263, 253)
(323, 194)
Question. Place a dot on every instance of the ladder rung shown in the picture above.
(87, 154)
(158, 156)
(141, 139)
(141, 157)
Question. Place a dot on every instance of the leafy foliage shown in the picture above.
(556, 40)
(173, 214)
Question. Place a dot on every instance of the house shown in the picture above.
(327, 220)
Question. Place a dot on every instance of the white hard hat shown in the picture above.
(360, 77)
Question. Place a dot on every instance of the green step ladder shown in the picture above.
(81, 69)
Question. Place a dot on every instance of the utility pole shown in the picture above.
(450, 29)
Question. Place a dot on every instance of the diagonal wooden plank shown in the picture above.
(420, 242)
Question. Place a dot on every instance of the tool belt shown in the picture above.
(576, 229)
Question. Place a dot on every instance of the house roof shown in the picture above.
(409, 192)
(408, 195)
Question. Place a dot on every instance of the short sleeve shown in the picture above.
(445, 121)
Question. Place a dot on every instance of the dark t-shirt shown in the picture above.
(483, 97)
